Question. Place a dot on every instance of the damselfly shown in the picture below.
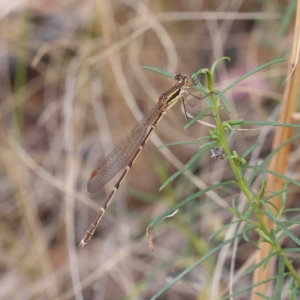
(126, 152)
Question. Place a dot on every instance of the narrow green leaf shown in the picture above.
(248, 186)
(223, 98)
(159, 71)
(178, 143)
(266, 260)
(200, 116)
(231, 210)
(250, 149)
(273, 217)
(233, 203)
(275, 194)
(207, 137)
(240, 172)
(263, 236)
(268, 158)
(271, 124)
(291, 209)
(223, 228)
(263, 296)
(270, 215)
(281, 234)
(281, 210)
(235, 122)
(273, 205)
(291, 250)
(294, 290)
(273, 173)
(250, 287)
(199, 73)
(200, 88)
(290, 223)
(286, 18)
(280, 279)
(252, 72)
(244, 232)
(283, 198)
(233, 131)
(273, 236)
(201, 150)
(207, 100)
(213, 67)
(189, 269)
(189, 199)
(258, 264)
(248, 212)
(262, 190)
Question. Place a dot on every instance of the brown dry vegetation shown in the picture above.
(71, 87)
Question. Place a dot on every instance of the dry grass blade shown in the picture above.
(280, 160)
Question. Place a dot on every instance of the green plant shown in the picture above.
(259, 202)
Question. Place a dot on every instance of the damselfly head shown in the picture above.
(185, 80)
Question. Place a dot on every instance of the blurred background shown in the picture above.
(72, 87)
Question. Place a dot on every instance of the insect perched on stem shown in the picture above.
(126, 152)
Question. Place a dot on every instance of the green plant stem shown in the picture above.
(242, 185)
(224, 144)
(287, 263)
(264, 227)
(291, 269)
(225, 147)
(250, 222)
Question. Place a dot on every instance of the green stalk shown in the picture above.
(292, 270)
(223, 143)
